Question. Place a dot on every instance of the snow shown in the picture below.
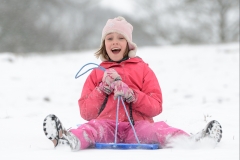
(199, 83)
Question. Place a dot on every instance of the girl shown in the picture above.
(130, 77)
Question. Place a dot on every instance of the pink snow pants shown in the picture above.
(103, 131)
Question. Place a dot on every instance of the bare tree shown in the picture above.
(51, 26)
(42, 25)
(190, 21)
(220, 17)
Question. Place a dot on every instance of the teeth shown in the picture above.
(115, 49)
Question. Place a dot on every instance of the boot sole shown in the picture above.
(52, 127)
(214, 130)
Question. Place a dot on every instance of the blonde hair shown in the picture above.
(102, 52)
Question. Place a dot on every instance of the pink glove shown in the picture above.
(122, 89)
(109, 76)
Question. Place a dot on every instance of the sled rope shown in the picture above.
(134, 132)
(100, 67)
(116, 129)
(118, 102)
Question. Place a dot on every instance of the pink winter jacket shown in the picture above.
(139, 77)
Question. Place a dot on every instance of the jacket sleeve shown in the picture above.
(149, 98)
(91, 98)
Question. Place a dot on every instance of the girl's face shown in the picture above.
(116, 46)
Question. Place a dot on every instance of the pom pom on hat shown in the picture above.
(121, 26)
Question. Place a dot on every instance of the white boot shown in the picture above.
(213, 130)
(55, 131)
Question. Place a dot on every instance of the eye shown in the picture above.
(109, 38)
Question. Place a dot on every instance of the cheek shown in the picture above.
(107, 45)
(125, 45)
(108, 48)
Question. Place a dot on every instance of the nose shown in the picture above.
(115, 41)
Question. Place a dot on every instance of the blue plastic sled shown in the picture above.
(126, 146)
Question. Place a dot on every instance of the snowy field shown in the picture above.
(199, 83)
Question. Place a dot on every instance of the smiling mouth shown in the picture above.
(116, 50)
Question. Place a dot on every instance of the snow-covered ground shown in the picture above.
(199, 83)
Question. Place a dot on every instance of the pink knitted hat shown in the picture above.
(121, 26)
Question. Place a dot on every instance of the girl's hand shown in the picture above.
(109, 76)
(122, 89)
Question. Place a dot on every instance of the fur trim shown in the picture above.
(131, 54)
